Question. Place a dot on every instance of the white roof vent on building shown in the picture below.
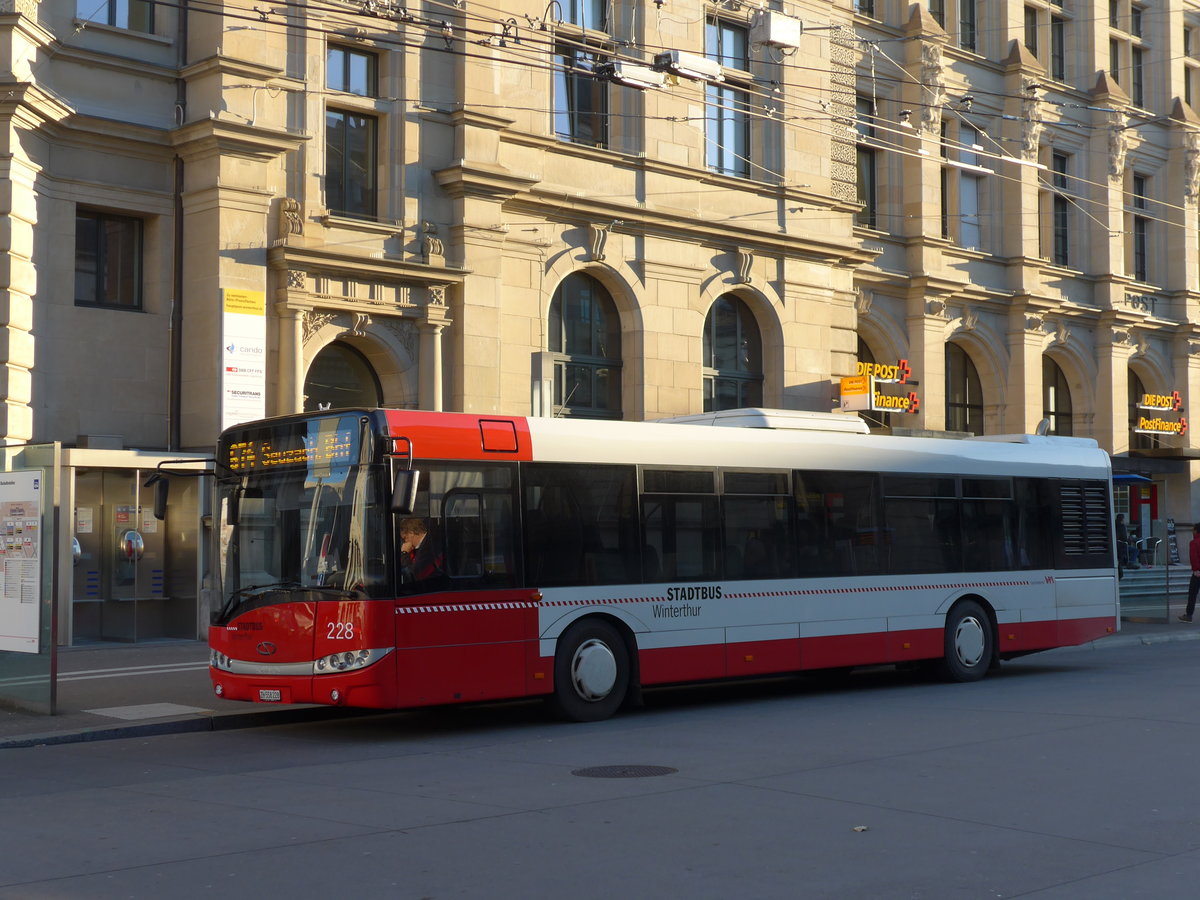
(774, 29)
(689, 65)
(778, 419)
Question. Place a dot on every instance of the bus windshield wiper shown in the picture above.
(238, 596)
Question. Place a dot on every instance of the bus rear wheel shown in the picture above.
(969, 643)
(591, 672)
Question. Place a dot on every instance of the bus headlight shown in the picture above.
(347, 660)
(219, 660)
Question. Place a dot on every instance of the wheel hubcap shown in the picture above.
(594, 670)
(969, 641)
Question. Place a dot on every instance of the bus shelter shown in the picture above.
(85, 560)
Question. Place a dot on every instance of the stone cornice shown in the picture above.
(371, 267)
(227, 137)
(487, 180)
(226, 65)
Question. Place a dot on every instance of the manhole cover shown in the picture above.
(624, 771)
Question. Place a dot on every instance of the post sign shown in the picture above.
(861, 391)
(243, 356)
(20, 560)
(1169, 404)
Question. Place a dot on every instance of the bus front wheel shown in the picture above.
(970, 646)
(591, 671)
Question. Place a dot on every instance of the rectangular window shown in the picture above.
(727, 120)
(966, 24)
(134, 15)
(1061, 209)
(350, 164)
(1031, 29)
(838, 528)
(864, 7)
(922, 516)
(937, 9)
(590, 14)
(108, 260)
(1135, 21)
(970, 184)
(578, 529)
(1114, 59)
(580, 99)
(1058, 49)
(351, 72)
(1137, 83)
(756, 515)
(1141, 246)
(867, 166)
(1114, 13)
(681, 535)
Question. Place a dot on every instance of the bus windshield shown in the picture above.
(302, 528)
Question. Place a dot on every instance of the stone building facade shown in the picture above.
(609, 208)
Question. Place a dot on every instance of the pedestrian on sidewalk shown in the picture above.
(1194, 583)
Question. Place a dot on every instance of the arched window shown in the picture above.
(873, 419)
(585, 333)
(1056, 397)
(341, 377)
(964, 396)
(1136, 391)
(732, 356)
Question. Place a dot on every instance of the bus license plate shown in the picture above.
(270, 695)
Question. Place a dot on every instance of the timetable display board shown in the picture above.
(20, 560)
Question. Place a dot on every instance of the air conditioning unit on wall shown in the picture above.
(774, 29)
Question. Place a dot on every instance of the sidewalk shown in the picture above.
(127, 690)
(120, 691)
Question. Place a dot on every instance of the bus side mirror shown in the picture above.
(161, 489)
(404, 493)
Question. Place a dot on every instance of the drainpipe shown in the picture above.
(175, 346)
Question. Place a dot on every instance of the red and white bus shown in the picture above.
(583, 560)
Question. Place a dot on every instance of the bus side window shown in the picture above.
(478, 536)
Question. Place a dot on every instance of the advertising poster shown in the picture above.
(20, 560)
(243, 356)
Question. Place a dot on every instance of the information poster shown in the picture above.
(20, 560)
(243, 356)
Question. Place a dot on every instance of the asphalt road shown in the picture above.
(1071, 774)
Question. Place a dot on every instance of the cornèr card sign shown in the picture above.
(243, 356)
(20, 560)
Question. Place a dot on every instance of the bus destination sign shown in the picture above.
(325, 449)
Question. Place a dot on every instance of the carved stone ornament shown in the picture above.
(933, 82)
(745, 260)
(1062, 334)
(291, 217)
(1191, 165)
(1034, 323)
(27, 8)
(359, 326)
(437, 295)
(406, 334)
(314, 321)
(970, 319)
(597, 238)
(295, 279)
(1118, 144)
(432, 249)
(936, 308)
(862, 302)
(1143, 343)
(1031, 122)
(1120, 336)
